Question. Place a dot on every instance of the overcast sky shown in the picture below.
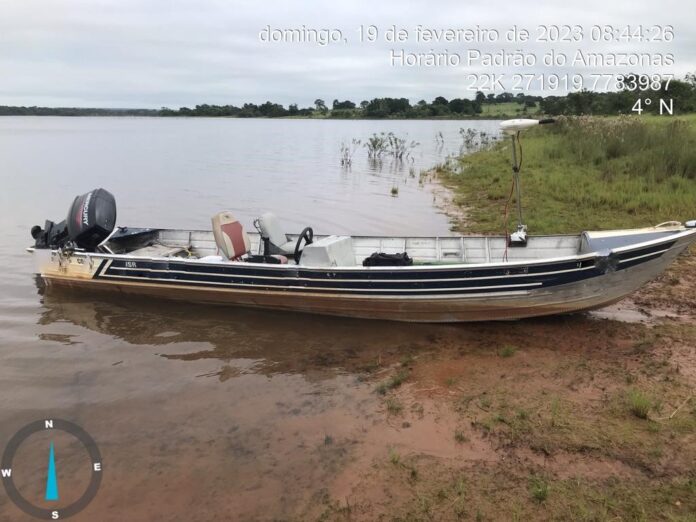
(153, 53)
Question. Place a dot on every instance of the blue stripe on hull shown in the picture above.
(404, 285)
(648, 250)
(361, 274)
(372, 282)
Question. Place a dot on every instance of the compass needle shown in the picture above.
(51, 479)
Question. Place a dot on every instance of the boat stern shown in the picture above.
(53, 264)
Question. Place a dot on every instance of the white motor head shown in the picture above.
(514, 126)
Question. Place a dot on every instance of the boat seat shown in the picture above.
(230, 236)
(269, 227)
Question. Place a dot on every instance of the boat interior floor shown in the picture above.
(201, 246)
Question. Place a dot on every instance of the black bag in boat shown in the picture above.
(382, 259)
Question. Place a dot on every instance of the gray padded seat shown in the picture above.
(269, 226)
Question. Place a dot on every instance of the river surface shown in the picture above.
(201, 413)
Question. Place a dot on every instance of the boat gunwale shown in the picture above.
(433, 267)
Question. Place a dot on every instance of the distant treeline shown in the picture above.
(73, 111)
(376, 108)
(681, 92)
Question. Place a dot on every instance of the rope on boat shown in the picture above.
(669, 417)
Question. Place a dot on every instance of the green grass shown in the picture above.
(394, 381)
(495, 495)
(539, 489)
(394, 407)
(460, 436)
(491, 110)
(639, 404)
(584, 173)
(507, 351)
(613, 428)
(394, 457)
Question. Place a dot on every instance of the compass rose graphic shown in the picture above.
(51, 491)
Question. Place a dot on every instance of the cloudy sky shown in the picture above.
(153, 53)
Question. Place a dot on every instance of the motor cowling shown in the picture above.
(91, 218)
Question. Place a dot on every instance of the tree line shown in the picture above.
(6, 110)
(376, 108)
(682, 92)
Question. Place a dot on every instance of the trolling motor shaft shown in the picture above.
(519, 237)
(513, 129)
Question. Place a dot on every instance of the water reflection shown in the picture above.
(266, 342)
(277, 342)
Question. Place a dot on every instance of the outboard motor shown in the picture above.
(91, 218)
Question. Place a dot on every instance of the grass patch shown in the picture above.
(393, 382)
(590, 173)
(507, 351)
(394, 407)
(505, 492)
(611, 428)
(499, 110)
(394, 457)
(460, 437)
(485, 402)
(639, 404)
(539, 489)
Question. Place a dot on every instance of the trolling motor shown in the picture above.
(513, 128)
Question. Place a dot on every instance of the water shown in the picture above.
(201, 411)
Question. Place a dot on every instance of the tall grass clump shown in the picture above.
(539, 489)
(376, 145)
(389, 144)
(347, 152)
(639, 404)
(400, 148)
(627, 144)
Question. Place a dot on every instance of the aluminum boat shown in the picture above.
(451, 278)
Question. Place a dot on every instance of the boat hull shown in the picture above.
(457, 294)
